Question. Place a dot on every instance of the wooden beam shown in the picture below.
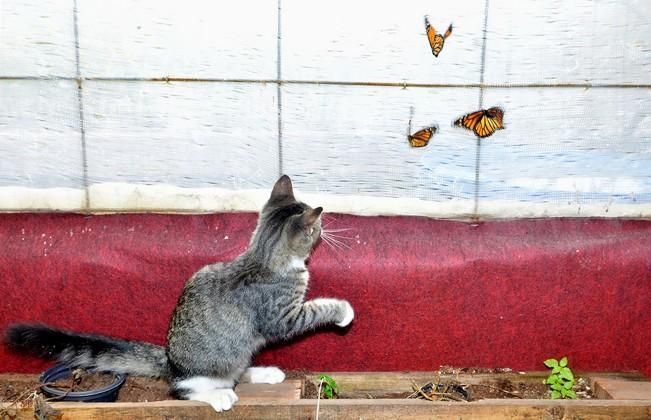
(290, 389)
(375, 409)
(258, 401)
(381, 383)
(621, 389)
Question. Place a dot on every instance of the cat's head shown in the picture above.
(287, 227)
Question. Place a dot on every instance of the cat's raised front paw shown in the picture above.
(349, 314)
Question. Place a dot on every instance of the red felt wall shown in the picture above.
(426, 292)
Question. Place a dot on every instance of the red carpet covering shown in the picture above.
(426, 292)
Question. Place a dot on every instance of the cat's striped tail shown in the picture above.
(87, 350)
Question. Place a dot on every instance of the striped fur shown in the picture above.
(226, 313)
(89, 351)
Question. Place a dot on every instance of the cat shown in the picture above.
(226, 313)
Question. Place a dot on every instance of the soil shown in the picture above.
(136, 389)
(507, 389)
(502, 385)
(310, 390)
(17, 387)
(454, 391)
(13, 386)
(82, 380)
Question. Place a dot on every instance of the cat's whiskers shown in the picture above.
(335, 240)
(335, 230)
(333, 235)
(328, 241)
(336, 248)
(333, 245)
(337, 243)
(327, 220)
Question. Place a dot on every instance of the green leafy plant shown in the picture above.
(328, 386)
(561, 379)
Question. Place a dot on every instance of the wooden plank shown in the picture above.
(621, 389)
(290, 389)
(18, 377)
(279, 402)
(376, 409)
(383, 382)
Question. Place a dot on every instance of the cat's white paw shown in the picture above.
(219, 399)
(263, 375)
(349, 314)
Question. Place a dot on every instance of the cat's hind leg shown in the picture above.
(215, 391)
(263, 375)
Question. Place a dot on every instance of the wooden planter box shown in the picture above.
(619, 395)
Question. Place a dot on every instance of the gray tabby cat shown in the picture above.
(226, 313)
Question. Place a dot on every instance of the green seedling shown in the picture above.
(561, 379)
(329, 387)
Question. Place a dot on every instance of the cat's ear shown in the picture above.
(282, 189)
(311, 216)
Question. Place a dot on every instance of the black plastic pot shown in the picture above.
(108, 393)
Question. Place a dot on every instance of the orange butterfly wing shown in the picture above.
(491, 121)
(438, 45)
(483, 123)
(448, 32)
(436, 41)
(469, 121)
(421, 138)
(497, 114)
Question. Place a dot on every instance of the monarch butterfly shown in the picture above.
(436, 41)
(484, 122)
(421, 137)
